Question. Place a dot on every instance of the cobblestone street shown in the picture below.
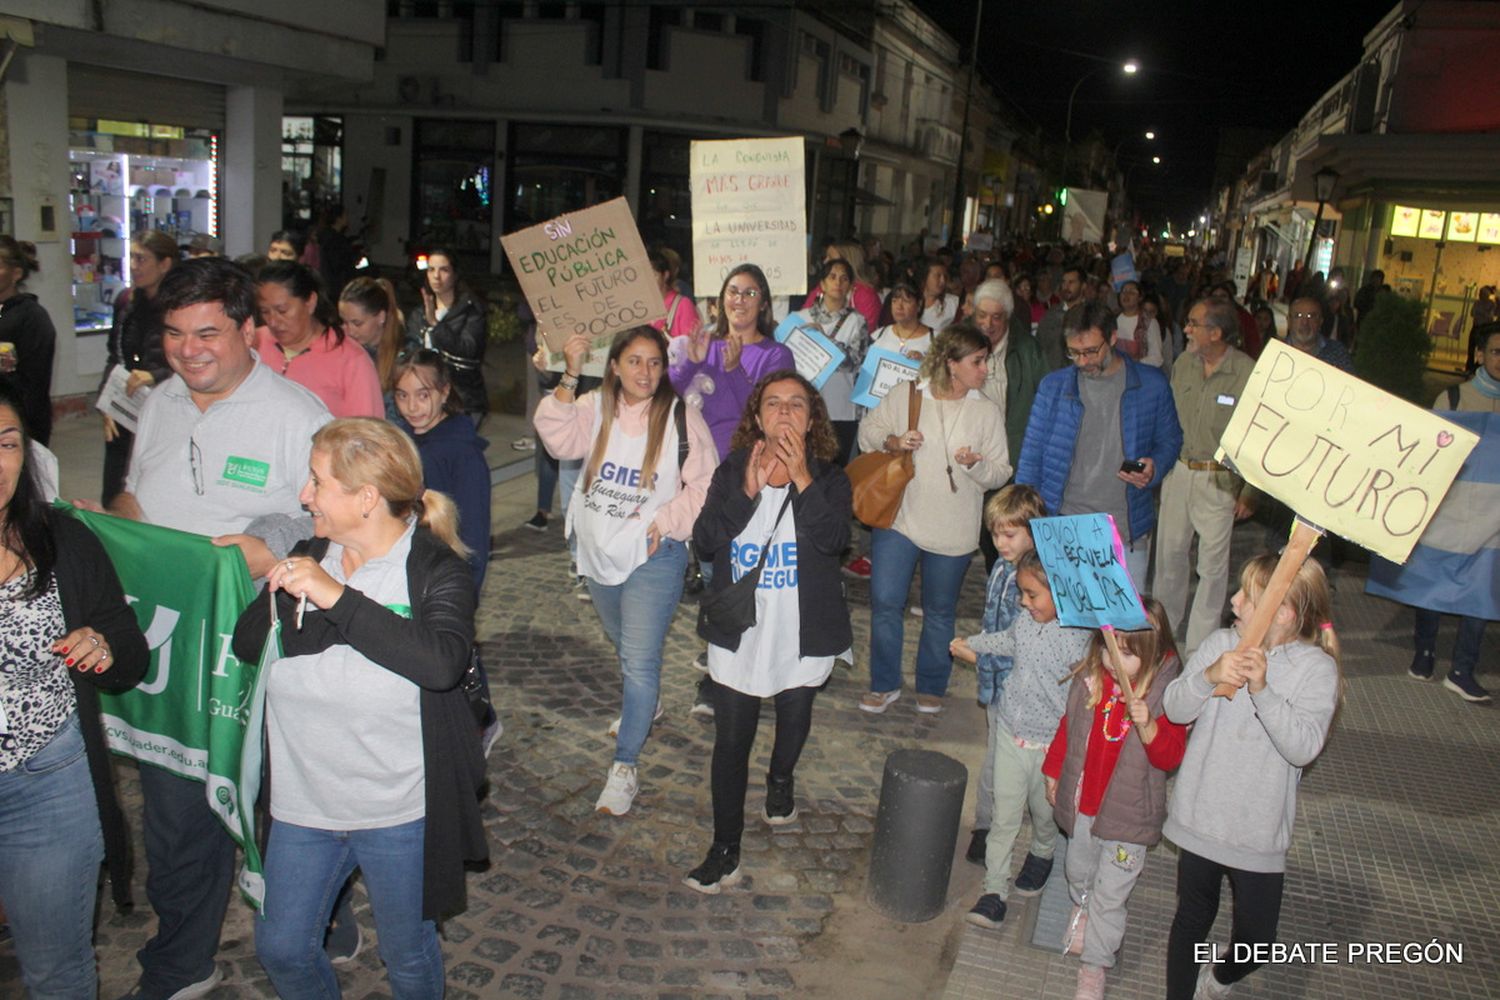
(1392, 841)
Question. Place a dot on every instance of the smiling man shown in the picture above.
(1102, 434)
(222, 442)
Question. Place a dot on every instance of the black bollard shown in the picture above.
(921, 803)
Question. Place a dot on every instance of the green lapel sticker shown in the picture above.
(247, 471)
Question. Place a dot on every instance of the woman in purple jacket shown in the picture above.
(715, 368)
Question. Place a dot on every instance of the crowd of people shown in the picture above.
(334, 441)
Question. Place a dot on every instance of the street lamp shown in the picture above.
(1156, 160)
(1130, 68)
(1150, 135)
(1323, 183)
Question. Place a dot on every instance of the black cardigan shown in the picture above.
(91, 595)
(431, 649)
(822, 517)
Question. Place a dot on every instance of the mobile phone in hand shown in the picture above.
(1132, 465)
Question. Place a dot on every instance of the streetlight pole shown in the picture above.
(1128, 68)
(1323, 182)
(963, 133)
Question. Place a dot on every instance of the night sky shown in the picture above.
(1204, 64)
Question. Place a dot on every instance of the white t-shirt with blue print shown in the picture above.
(768, 660)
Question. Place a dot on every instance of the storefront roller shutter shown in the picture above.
(97, 92)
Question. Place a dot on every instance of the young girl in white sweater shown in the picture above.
(1235, 799)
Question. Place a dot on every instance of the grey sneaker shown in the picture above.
(1466, 687)
(619, 790)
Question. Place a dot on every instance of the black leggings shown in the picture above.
(736, 717)
(1257, 908)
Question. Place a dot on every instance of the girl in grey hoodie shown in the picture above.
(1235, 800)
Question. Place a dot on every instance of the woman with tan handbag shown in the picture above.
(958, 451)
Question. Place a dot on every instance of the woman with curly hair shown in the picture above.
(778, 502)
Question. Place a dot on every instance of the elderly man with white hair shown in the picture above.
(1016, 366)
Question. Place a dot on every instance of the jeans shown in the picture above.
(306, 868)
(1465, 647)
(552, 474)
(50, 851)
(736, 718)
(893, 560)
(636, 615)
(1257, 910)
(190, 860)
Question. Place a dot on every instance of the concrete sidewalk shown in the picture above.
(1392, 845)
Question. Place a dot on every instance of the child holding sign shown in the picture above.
(1114, 784)
(1006, 515)
(1235, 798)
(1031, 703)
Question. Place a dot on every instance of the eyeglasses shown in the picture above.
(741, 293)
(1307, 315)
(195, 462)
(1088, 353)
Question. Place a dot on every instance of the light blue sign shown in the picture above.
(882, 371)
(1122, 269)
(1085, 563)
(816, 356)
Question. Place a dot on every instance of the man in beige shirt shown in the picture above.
(1200, 496)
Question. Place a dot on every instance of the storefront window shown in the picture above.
(312, 168)
(126, 178)
(562, 168)
(453, 180)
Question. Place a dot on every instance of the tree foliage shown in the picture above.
(1393, 347)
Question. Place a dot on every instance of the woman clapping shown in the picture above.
(779, 502)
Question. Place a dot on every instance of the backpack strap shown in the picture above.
(679, 417)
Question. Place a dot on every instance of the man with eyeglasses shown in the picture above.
(1102, 434)
(1049, 332)
(222, 442)
(1304, 331)
(1199, 495)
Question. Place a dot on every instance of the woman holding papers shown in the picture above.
(135, 345)
(375, 759)
(67, 634)
(905, 334)
(834, 312)
(958, 451)
(715, 368)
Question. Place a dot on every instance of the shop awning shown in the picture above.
(1396, 165)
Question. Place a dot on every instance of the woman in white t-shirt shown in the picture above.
(1137, 333)
(649, 458)
(375, 759)
(781, 503)
(905, 334)
(939, 306)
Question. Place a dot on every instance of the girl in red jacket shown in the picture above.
(1110, 758)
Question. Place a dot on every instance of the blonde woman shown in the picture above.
(375, 759)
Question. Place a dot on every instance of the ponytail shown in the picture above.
(439, 514)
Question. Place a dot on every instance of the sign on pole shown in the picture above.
(585, 272)
(1085, 563)
(1341, 453)
(749, 207)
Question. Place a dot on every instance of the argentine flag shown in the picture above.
(1455, 566)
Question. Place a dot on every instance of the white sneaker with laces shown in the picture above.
(1208, 987)
(619, 790)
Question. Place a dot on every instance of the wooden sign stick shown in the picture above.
(1116, 663)
(1304, 537)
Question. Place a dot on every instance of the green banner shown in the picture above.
(198, 712)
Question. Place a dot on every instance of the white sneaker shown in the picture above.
(1208, 987)
(619, 790)
(614, 727)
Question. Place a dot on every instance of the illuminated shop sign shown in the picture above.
(1435, 224)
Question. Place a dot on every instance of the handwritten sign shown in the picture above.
(816, 356)
(1341, 453)
(1085, 563)
(585, 272)
(881, 372)
(749, 207)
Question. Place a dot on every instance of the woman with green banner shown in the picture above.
(375, 760)
(67, 632)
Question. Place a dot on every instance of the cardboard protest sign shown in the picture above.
(749, 206)
(881, 372)
(816, 356)
(1122, 269)
(585, 272)
(1341, 453)
(1085, 563)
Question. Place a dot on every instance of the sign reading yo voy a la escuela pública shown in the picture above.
(1341, 453)
(585, 272)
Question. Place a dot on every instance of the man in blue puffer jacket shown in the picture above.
(1102, 434)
